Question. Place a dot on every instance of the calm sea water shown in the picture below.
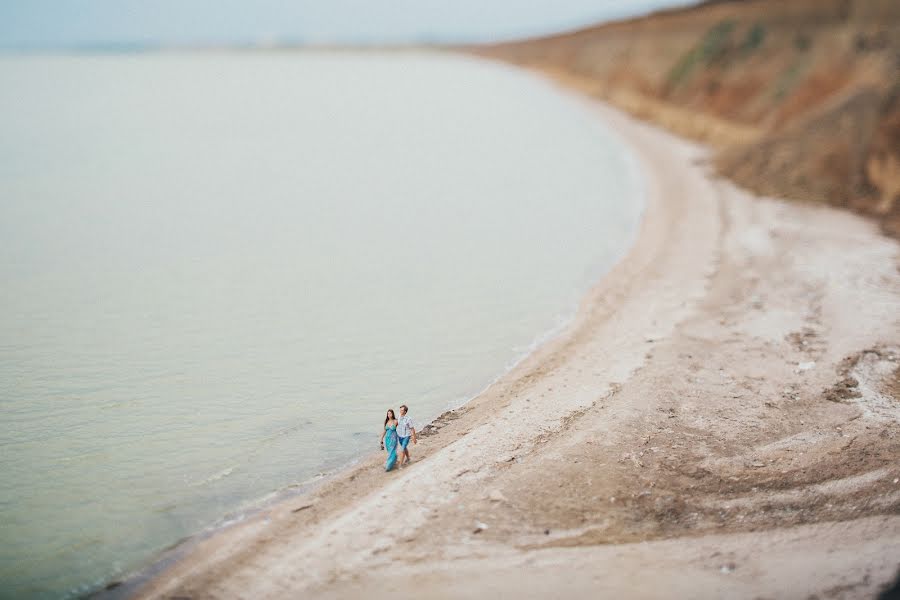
(219, 270)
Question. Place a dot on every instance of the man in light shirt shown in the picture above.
(405, 431)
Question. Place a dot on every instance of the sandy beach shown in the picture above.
(721, 419)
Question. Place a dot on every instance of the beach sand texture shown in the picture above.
(721, 419)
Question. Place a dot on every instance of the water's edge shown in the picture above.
(156, 565)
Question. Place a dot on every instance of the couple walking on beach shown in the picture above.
(397, 432)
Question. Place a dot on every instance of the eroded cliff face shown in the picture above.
(801, 98)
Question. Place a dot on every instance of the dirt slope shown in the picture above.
(802, 98)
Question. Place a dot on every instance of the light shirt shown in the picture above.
(404, 426)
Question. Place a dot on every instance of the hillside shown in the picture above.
(801, 99)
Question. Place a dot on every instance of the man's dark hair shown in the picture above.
(891, 592)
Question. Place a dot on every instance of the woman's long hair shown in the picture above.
(390, 416)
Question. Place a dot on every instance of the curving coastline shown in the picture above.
(680, 393)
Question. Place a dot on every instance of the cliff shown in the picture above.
(800, 99)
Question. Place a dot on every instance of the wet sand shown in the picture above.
(720, 419)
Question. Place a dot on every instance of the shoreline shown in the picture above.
(328, 539)
(163, 560)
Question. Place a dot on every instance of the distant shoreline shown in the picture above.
(138, 49)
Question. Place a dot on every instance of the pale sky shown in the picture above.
(55, 23)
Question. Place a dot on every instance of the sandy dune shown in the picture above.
(722, 419)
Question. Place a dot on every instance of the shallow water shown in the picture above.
(219, 270)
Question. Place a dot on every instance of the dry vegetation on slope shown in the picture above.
(801, 98)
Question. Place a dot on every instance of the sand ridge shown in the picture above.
(725, 401)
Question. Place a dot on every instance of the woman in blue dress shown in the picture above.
(389, 440)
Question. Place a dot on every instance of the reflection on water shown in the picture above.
(220, 269)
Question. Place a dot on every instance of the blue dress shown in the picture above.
(390, 444)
